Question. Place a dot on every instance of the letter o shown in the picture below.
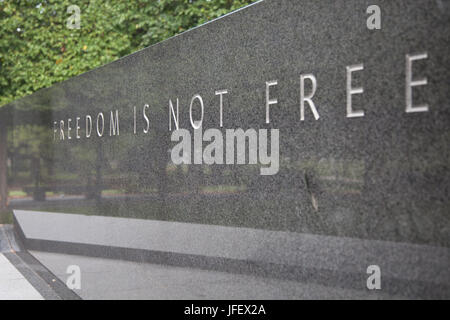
(197, 96)
(103, 124)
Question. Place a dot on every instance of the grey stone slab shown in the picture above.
(4, 244)
(349, 190)
(382, 176)
(112, 279)
(338, 260)
(8, 241)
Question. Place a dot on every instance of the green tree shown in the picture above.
(37, 49)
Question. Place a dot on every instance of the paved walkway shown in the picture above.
(13, 285)
(22, 277)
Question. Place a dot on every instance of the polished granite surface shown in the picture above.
(383, 176)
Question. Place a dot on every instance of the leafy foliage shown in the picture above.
(37, 48)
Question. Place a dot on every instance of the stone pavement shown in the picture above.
(13, 285)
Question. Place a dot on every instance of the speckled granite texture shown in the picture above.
(384, 176)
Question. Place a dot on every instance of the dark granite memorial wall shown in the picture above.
(384, 175)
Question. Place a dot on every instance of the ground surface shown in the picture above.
(13, 285)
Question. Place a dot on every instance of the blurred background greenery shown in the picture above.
(37, 49)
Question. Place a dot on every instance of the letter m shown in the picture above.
(114, 124)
